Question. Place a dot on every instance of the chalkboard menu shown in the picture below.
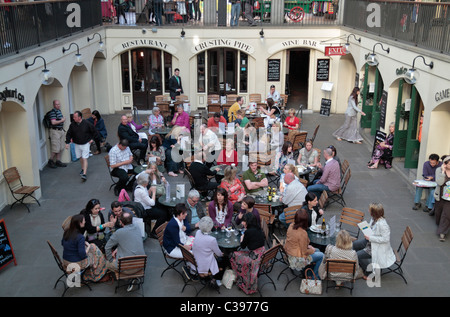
(383, 109)
(6, 253)
(325, 107)
(273, 70)
(323, 69)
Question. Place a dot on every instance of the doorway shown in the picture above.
(147, 77)
(298, 77)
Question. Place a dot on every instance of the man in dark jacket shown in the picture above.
(81, 133)
(134, 141)
(175, 86)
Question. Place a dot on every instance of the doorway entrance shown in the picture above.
(147, 77)
(298, 77)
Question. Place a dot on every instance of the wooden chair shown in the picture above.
(350, 218)
(338, 195)
(182, 98)
(65, 275)
(204, 278)
(284, 99)
(19, 191)
(319, 153)
(171, 262)
(266, 265)
(344, 167)
(162, 98)
(132, 270)
(86, 113)
(254, 98)
(400, 254)
(213, 99)
(213, 108)
(258, 122)
(323, 200)
(289, 213)
(342, 271)
(315, 133)
(299, 140)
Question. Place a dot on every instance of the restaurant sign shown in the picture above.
(135, 43)
(213, 43)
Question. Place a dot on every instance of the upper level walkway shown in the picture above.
(26, 25)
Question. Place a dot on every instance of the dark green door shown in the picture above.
(412, 144)
(401, 124)
(367, 100)
(376, 112)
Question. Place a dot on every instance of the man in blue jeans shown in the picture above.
(235, 12)
(428, 173)
(331, 176)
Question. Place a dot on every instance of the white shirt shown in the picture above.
(141, 196)
(275, 96)
(116, 155)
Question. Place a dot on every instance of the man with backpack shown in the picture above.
(57, 135)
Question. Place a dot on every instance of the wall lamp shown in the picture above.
(372, 59)
(412, 75)
(347, 44)
(182, 34)
(47, 77)
(101, 45)
(78, 61)
(261, 34)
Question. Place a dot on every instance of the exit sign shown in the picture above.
(334, 50)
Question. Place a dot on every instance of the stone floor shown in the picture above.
(64, 194)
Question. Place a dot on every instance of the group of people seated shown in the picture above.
(92, 243)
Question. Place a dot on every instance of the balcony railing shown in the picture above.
(422, 24)
(29, 24)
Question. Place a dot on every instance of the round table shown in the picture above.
(140, 168)
(227, 243)
(161, 131)
(172, 202)
(273, 204)
(321, 241)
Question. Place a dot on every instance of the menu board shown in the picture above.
(383, 103)
(6, 252)
(273, 69)
(323, 70)
(325, 107)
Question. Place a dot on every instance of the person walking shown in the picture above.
(349, 130)
(81, 133)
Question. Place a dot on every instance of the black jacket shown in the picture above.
(80, 133)
(173, 86)
(125, 132)
(199, 173)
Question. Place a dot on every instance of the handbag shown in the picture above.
(311, 286)
(446, 191)
(228, 278)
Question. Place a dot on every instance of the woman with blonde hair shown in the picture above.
(233, 186)
(375, 249)
(172, 141)
(341, 251)
(292, 122)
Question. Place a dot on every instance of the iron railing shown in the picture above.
(422, 24)
(29, 24)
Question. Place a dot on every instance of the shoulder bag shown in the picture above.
(313, 286)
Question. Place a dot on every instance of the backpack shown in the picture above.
(47, 122)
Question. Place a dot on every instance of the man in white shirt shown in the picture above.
(275, 95)
(120, 159)
(294, 194)
(210, 144)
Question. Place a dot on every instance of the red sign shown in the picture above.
(334, 50)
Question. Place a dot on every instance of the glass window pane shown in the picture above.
(243, 69)
(125, 72)
(201, 72)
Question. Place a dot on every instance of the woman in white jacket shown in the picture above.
(376, 249)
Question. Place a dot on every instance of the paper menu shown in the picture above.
(365, 228)
(332, 225)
